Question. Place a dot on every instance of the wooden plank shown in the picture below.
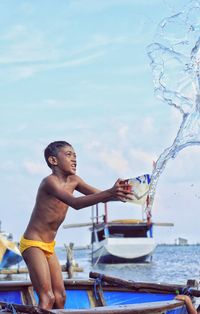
(145, 308)
(142, 286)
(91, 298)
(13, 271)
(76, 269)
(30, 297)
(86, 224)
(24, 308)
(17, 271)
(163, 224)
(15, 285)
(99, 298)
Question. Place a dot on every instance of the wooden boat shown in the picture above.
(9, 253)
(122, 241)
(119, 241)
(100, 294)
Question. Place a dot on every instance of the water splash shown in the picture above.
(175, 61)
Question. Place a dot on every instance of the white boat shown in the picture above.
(120, 241)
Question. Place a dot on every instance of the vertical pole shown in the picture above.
(92, 237)
(106, 213)
(97, 214)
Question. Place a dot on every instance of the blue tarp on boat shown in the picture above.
(123, 297)
(11, 296)
(78, 299)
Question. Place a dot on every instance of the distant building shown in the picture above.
(181, 241)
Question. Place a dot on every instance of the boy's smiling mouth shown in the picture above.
(73, 166)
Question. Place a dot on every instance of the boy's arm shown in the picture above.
(117, 192)
(85, 188)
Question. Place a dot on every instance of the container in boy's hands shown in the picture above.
(139, 188)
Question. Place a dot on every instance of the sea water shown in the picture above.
(175, 60)
(169, 264)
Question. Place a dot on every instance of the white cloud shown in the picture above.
(23, 44)
(123, 160)
(100, 41)
(25, 71)
(21, 72)
(123, 132)
(114, 160)
(35, 168)
(185, 167)
(96, 5)
(93, 144)
(28, 51)
(148, 125)
(8, 166)
(141, 161)
(132, 70)
(27, 7)
(14, 32)
(56, 103)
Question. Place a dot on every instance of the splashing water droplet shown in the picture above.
(175, 60)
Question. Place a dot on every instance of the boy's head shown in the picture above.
(52, 150)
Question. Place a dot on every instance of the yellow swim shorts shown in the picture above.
(46, 247)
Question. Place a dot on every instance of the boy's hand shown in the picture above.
(184, 298)
(121, 191)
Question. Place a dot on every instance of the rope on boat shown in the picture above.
(9, 308)
(187, 291)
(101, 252)
(98, 284)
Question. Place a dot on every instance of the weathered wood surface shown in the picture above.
(147, 308)
(22, 308)
(15, 271)
(143, 286)
(78, 225)
(76, 269)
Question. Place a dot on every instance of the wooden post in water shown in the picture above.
(70, 259)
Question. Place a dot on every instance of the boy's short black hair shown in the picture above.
(52, 150)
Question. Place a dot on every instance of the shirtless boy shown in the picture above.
(55, 195)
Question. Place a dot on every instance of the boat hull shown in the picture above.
(90, 296)
(123, 250)
(112, 259)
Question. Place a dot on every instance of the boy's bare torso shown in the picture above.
(49, 212)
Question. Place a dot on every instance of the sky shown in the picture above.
(78, 70)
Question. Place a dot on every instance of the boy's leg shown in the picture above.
(40, 276)
(57, 282)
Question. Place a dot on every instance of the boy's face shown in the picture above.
(66, 160)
